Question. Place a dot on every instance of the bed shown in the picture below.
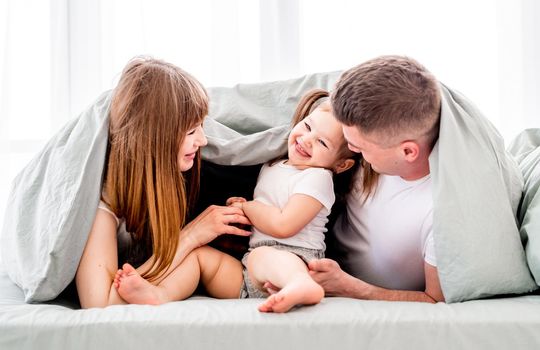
(206, 323)
(502, 321)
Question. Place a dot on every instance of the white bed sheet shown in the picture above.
(205, 323)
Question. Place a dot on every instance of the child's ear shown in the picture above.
(343, 165)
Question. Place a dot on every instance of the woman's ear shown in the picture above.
(343, 165)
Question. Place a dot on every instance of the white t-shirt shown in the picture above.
(277, 183)
(123, 237)
(390, 235)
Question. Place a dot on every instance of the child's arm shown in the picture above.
(286, 222)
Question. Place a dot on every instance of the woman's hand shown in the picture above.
(213, 222)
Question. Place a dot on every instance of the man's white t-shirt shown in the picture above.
(277, 183)
(386, 239)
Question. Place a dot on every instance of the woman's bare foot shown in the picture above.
(301, 291)
(136, 290)
(117, 277)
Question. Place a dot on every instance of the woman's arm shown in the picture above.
(286, 222)
(99, 264)
(211, 223)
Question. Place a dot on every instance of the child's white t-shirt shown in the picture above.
(277, 183)
(387, 239)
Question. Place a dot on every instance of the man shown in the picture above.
(390, 111)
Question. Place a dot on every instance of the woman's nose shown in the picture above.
(201, 139)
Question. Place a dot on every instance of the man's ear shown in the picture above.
(410, 150)
(343, 165)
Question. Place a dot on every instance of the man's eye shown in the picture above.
(307, 126)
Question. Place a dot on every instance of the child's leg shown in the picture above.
(288, 273)
(220, 273)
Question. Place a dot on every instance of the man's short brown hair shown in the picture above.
(391, 97)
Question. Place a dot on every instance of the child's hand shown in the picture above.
(235, 202)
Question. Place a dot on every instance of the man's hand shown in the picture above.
(338, 283)
(331, 277)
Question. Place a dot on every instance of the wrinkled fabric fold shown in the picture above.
(52, 205)
(477, 189)
(526, 150)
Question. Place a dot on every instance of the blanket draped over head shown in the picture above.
(477, 187)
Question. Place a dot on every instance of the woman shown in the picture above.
(151, 182)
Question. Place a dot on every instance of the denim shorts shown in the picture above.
(249, 290)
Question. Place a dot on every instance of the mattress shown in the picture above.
(206, 323)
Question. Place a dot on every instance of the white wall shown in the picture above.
(57, 56)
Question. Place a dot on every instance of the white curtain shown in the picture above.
(56, 56)
(519, 65)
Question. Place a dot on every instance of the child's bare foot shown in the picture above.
(136, 290)
(302, 291)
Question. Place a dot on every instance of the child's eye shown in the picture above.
(323, 143)
(307, 126)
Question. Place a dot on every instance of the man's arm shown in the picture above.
(337, 282)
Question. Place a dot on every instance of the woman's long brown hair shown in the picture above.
(344, 182)
(153, 107)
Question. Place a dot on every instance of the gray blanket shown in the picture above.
(477, 185)
(526, 149)
(52, 205)
(249, 123)
(477, 189)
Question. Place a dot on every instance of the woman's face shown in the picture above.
(193, 140)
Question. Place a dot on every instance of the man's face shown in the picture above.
(383, 159)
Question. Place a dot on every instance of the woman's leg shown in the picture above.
(288, 273)
(98, 265)
(178, 285)
(220, 274)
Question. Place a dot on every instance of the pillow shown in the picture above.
(526, 148)
(52, 205)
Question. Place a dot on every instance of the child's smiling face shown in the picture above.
(316, 141)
